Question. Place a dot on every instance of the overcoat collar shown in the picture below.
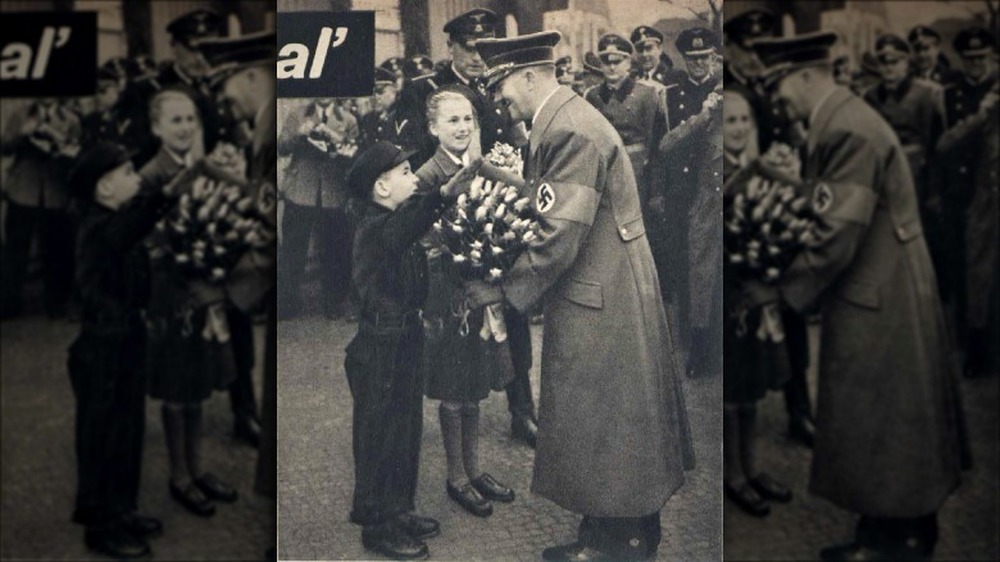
(825, 113)
(560, 97)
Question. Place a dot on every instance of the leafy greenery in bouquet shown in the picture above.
(488, 226)
(766, 223)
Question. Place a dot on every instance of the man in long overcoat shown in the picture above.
(613, 439)
(888, 441)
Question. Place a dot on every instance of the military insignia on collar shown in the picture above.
(698, 43)
(822, 198)
(545, 198)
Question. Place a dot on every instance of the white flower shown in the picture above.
(497, 250)
(477, 245)
(511, 196)
(462, 200)
(481, 213)
(218, 273)
(457, 229)
(458, 258)
(501, 210)
(488, 228)
(182, 258)
(475, 255)
(495, 274)
(521, 204)
(528, 236)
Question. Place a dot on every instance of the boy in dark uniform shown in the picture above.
(390, 273)
(106, 360)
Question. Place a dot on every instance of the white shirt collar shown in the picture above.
(816, 108)
(463, 161)
(545, 101)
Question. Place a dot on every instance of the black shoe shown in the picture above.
(115, 542)
(468, 497)
(391, 541)
(771, 489)
(575, 552)
(491, 489)
(856, 552)
(748, 500)
(216, 489)
(192, 498)
(419, 527)
(523, 428)
(142, 526)
(247, 429)
(801, 429)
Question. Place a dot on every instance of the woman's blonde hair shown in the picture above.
(445, 93)
(156, 104)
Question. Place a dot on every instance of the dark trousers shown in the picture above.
(333, 234)
(241, 394)
(56, 234)
(106, 372)
(797, 343)
(519, 398)
(623, 538)
(382, 371)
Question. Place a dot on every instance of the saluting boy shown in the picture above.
(390, 273)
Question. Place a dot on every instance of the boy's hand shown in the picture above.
(460, 181)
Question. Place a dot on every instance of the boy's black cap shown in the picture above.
(974, 42)
(471, 26)
(194, 26)
(93, 164)
(372, 163)
(384, 77)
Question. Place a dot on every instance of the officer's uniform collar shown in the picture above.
(621, 92)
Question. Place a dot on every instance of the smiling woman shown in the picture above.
(175, 122)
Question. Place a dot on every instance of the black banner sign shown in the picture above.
(48, 54)
(326, 54)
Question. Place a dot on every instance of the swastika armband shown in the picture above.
(847, 202)
(566, 201)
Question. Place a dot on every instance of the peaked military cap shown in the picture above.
(696, 41)
(418, 65)
(592, 63)
(974, 41)
(195, 26)
(612, 44)
(503, 56)
(563, 65)
(783, 55)
(893, 46)
(921, 33)
(471, 26)
(228, 55)
(393, 64)
(384, 76)
(644, 33)
(751, 25)
(372, 163)
(114, 69)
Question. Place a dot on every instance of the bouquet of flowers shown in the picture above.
(766, 224)
(208, 230)
(488, 227)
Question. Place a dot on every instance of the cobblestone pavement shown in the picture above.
(38, 474)
(797, 531)
(316, 467)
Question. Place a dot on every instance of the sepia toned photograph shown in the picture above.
(500, 283)
(860, 215)
(136, 305)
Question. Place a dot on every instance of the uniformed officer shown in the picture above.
(914, 107)
(593, 271)
(396, 65)
(632, 105)
(651, 62)
(387, 121)
(869, 271)
(963, 95)
(495, 125)
(591, 74)
(564, 70)
(929, 62)
(679, 182)
(418, 66)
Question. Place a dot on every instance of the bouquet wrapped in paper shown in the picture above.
(483, 233)
(208, 230)
(766, 224)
